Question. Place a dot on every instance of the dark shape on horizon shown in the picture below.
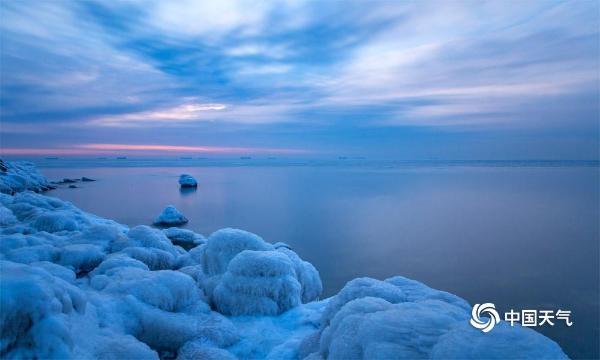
(121, 157)
(52, 158)
(342, 157)
(72, 186)
(87, 179)
(68, 181)
(186, 158)
(245, 157)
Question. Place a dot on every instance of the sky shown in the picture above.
(382, 79)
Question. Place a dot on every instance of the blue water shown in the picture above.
(520, 234)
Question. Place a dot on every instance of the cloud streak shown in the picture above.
(294, 72)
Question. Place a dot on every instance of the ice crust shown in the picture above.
(187, 181)
(76, 286)
(170, 216)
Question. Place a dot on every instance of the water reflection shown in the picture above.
(186, 191)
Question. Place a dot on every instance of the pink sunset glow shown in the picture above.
(147, 149)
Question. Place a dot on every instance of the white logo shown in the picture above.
(478, 322)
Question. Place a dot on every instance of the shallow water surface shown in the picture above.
(524, 237)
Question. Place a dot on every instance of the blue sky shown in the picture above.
(408, 80)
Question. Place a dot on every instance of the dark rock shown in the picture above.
(87, 179)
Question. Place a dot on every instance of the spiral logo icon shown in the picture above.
(488, 323)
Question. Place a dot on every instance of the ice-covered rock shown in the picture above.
(223, 245)
(20, 176)
(372, 328)
(187, 181)
(6, 216)
(34, 304)
(167, 290)
(116, 261)
(244, 275)
(155, 259)
(56, 270)
(360, 288)
(402, 318)
(202, 349)
(187, 239)
(258, 283)
(170, 216)
(145, 237)
(55, 221)
(101, 235)
(465, 342)
(169, 331)
(307, 275)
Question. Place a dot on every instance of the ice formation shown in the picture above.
(187, 239)
(21, 176)
(77, 286)
(170, 216)
(187, 181)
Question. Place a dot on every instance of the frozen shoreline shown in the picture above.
(137, 295)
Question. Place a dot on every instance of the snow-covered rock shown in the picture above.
(76, 286)
(187, 239)
(170, 216)
(402, 318)
(166, 289)
(20, 176)
(81, 257)
(223, 245)
(244, 275)
(465, 342)
(34, 306)
(187, 181)
(202, 349)
(258, 283)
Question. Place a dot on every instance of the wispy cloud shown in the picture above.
(181, 113)
(305, 72)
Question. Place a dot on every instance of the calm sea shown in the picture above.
(520, 234)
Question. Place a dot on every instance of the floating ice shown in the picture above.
(76, 286)
(170, 216)
(187, 181)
